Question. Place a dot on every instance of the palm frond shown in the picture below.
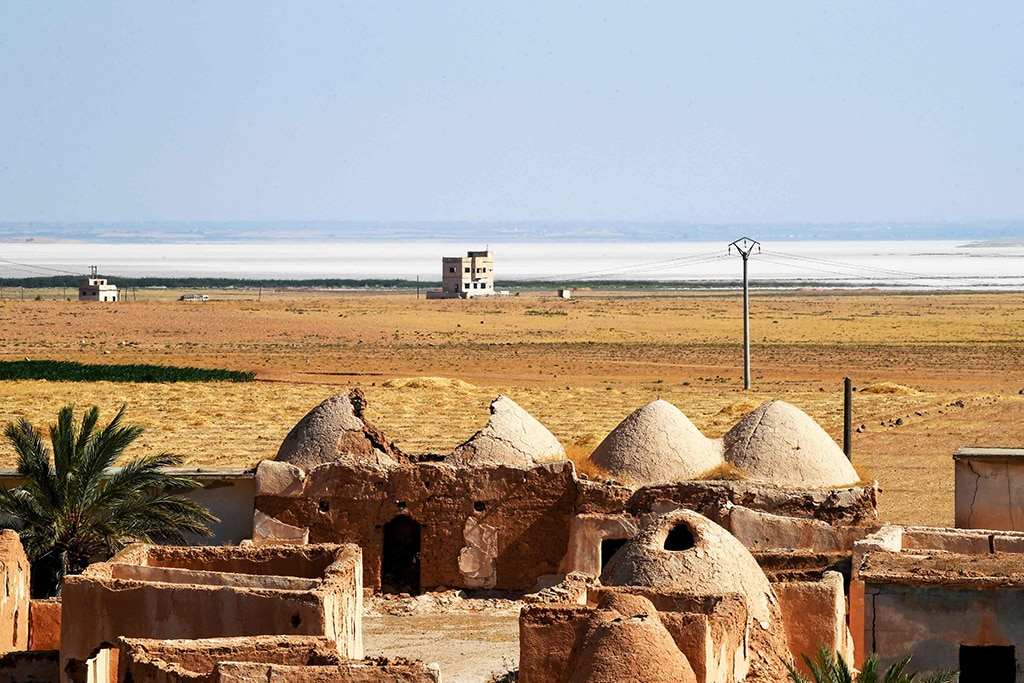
(89, 420)
(79, 506)
(895, 673)
(64, 436)
(34, 462)
(794, 675)
(825, 667)
(869, 670)
(829, 667)
(102, 451)
(145, 473)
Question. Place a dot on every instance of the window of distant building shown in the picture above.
(452, 269)
(468, 270)
(467, 285)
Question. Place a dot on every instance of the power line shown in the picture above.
(29, 265)
(868, 273)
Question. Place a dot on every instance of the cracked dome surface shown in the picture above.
(512, 437)
(781, 444)
(335, 431)
(656, 444)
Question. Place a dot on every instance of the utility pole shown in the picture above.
(745, 246)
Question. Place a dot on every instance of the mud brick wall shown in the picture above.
(513, 522)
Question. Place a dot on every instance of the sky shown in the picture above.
(768, 112)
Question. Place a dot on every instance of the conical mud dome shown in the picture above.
(335, 431)
(686, 552)
(512, 437)
(625, 640)
(656, 444)
(781, 444)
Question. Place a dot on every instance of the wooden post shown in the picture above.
(848, 418)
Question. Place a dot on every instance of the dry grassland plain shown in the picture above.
(947, 366)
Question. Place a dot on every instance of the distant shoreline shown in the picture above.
(355, 286)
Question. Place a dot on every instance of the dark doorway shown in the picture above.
(987, 664)
(400, 559)
(609, 547)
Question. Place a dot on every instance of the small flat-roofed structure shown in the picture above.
(989, 488)
(175, 592)
(953, 599)
(96, 289)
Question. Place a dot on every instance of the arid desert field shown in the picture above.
(932, 371)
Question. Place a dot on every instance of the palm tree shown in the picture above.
(76, 506)
(829, 667)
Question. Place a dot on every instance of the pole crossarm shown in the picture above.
(745, 246)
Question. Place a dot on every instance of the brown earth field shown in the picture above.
(933, 371)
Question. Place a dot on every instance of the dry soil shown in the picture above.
(933, 371)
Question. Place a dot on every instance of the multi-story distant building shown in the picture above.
(94, 288)
(466, 277)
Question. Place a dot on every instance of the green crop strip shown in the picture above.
(69, 371)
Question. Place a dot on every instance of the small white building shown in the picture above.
(96, 289)
(465, 277)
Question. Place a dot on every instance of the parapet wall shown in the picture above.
(298, 659)
(269, 592)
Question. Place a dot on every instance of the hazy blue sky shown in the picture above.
(488, 111)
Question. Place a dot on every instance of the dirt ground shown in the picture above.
(933, 371)
(481, 636)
